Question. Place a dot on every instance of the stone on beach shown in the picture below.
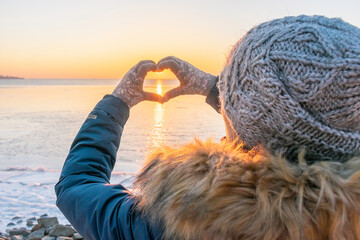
(47, 228)
(18, 231)
(29, 223)
(36, 227)
(48, 238)
(47, 221)
(61, 230)
(37, 235)
(77, 236)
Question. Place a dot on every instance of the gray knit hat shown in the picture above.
(294, 83)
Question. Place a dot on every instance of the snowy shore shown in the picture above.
(29, 193)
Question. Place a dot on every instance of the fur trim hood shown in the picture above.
(208, 190)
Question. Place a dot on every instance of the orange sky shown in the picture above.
(103, 39)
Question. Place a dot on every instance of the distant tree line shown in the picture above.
(9, 77)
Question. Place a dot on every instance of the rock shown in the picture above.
(10, 224)
(20, 221)
(19, 231)
(48, 238)
(77, 236)
(36, 227)
(16, 218)
(31, 219)
(44, 215)
(63, 238)
(61, 230)
(47, 230)
(16, 237)
(29, 223)
(47, 221)
(37, 235)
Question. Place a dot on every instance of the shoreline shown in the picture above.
(43, 227)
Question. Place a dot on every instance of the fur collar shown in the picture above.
(208, 190)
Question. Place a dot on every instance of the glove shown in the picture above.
(192, 80)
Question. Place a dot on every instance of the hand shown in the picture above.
(130, 88)
(192, 80)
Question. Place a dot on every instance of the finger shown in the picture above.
(169, 58)
(173, 93)
(139, 64)
(145, 68)
(153, 97)
(169, 64)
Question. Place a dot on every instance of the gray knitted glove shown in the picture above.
(130, 88)
(192, 80)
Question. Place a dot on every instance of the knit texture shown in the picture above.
(294, 83)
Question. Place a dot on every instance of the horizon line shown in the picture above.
(79, 79)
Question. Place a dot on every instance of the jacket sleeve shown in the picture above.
(213, 97)
(97, 209)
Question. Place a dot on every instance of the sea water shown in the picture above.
(40, 118)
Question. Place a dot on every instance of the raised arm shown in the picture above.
(97, 209)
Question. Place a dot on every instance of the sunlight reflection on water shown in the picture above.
(159, 89)
(156, 137)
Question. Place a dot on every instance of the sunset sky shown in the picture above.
(104, 38)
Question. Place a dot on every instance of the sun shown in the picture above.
(159, 89)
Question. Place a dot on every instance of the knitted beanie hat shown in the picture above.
(294, 83)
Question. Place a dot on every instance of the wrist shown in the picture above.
(209, 84)
(122, 98)
(116, 107)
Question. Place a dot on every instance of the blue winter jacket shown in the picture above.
(96, 208)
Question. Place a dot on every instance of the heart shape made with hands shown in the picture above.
(192, 81)
(186, 74)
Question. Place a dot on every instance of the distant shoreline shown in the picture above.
(9, 77)
(80, 82)
(117, 79)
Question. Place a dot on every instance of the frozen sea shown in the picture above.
(39, 119)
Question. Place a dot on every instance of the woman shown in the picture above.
(289, 167)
